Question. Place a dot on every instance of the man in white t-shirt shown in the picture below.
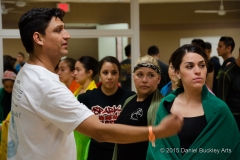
(44, 112)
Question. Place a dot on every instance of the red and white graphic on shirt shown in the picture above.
(107, 114)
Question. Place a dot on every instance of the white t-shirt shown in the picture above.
(43, 116)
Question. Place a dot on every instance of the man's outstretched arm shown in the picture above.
(118, 133)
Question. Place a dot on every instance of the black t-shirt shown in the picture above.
(231, 59)
(108, 108)
(216, 68)
(229, 87)
(134, 114)
(191, 129)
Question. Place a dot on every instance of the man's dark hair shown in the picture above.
(208, 45)
(228, 41)
(200, 43)
(128, 50)
(153, 50)
(36, 20)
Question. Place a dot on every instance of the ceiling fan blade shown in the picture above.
(233, 10)
(9, 9)
(206, 11)
(21, 3)
(12, 2)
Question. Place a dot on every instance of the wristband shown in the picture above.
(151, 136)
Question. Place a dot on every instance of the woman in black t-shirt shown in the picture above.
(140, 109)
(106, 101)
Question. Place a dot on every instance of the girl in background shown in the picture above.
(65, 71)
(171, 86)
(106, 102)
(5, 108)
(6, 94)
(85, 70)
(20, 60)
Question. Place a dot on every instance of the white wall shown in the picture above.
(107, 46)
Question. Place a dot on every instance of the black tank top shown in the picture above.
(191, 129)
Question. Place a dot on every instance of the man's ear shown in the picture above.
(229, 48)
(37, 37)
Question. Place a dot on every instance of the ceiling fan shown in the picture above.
(18, 3)
(220, 12)
(5, 10)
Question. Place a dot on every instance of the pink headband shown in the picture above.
(9, 75)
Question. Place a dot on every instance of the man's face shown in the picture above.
(55, 40)
(222, 49)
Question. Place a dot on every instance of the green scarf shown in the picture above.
(220, 139)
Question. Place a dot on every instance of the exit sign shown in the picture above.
(64, 6)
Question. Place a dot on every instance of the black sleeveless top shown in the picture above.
(191, 129)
